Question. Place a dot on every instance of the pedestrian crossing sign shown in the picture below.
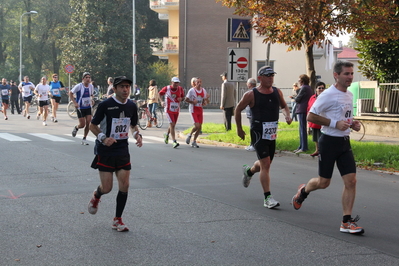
(238, 30)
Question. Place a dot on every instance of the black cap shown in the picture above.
(265, 70)
(224, 74)
(85, 74)
(120, 79)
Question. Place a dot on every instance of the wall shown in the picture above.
(206, 50)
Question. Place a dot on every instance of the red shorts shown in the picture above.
(172, 117)
(197, 116)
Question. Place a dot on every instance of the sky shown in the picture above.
(343, 38)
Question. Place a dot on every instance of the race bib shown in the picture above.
(120, 128)
(174, 107)
(56, 91)
(199, 101)
(26, 93)
(85, 102)
(269, 130)
(4, 92)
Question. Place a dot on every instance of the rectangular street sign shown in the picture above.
(238, 30)
(238, 64)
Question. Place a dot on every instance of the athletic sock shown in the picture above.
(121, 199)
(249, 173)
(267, 194)
(304, 195)
(346, 218)
(99, 193)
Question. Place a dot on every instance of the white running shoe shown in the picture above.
(118, 225)
(194, 145)
(188, 139)
(250, 148)
(93, 204)
(44, 123)
(270, 202)
(84, 142)
(246, 179)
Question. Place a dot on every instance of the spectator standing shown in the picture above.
(56, 87)
(295, 90)
(5, 96)
(333, 110)
(174, 94)
(227, 101)
(316, 133)
(251, 83)
(15, 93)
(153, 99)
(110, 90)
(302, 99)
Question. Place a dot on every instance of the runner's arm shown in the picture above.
(284, 108)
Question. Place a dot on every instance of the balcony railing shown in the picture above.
(165, 46)
(164, 4)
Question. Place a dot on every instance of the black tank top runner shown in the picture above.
(266, 107)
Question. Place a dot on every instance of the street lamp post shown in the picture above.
(20, 42)
(134, 45)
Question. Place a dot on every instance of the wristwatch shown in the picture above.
(101, 137)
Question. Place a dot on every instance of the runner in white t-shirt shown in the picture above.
(196, 97)
(42, 91)
(333, 110)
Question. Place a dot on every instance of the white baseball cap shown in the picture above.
(175, 79)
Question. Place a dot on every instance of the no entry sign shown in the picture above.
(69, 69)
(237, 64)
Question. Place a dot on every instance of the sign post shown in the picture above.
(69, 69)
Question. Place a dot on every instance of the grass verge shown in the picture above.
(368, 155)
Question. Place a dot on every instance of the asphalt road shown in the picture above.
(186, 206)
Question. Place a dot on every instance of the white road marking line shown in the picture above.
(50, 137)
(11, 137)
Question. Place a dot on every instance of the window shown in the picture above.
(261, 63)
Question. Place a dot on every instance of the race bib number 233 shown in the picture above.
(269, 130)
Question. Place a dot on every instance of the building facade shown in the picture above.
(197, 44)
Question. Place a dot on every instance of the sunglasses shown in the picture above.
(320, 88)
(268, 75)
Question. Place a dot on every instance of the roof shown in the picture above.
(348, 53)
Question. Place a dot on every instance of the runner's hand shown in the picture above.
(241, 133)
(109, 141)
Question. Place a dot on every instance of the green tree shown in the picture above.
(305, 23)
(98, 38)
(379, 61)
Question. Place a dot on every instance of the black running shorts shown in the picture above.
(335, 149)
(43, 103)
(111, 163)
(264, 148)
(56, 98)
(83, 112)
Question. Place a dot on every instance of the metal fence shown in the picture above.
(215, 96)
(387, 100)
